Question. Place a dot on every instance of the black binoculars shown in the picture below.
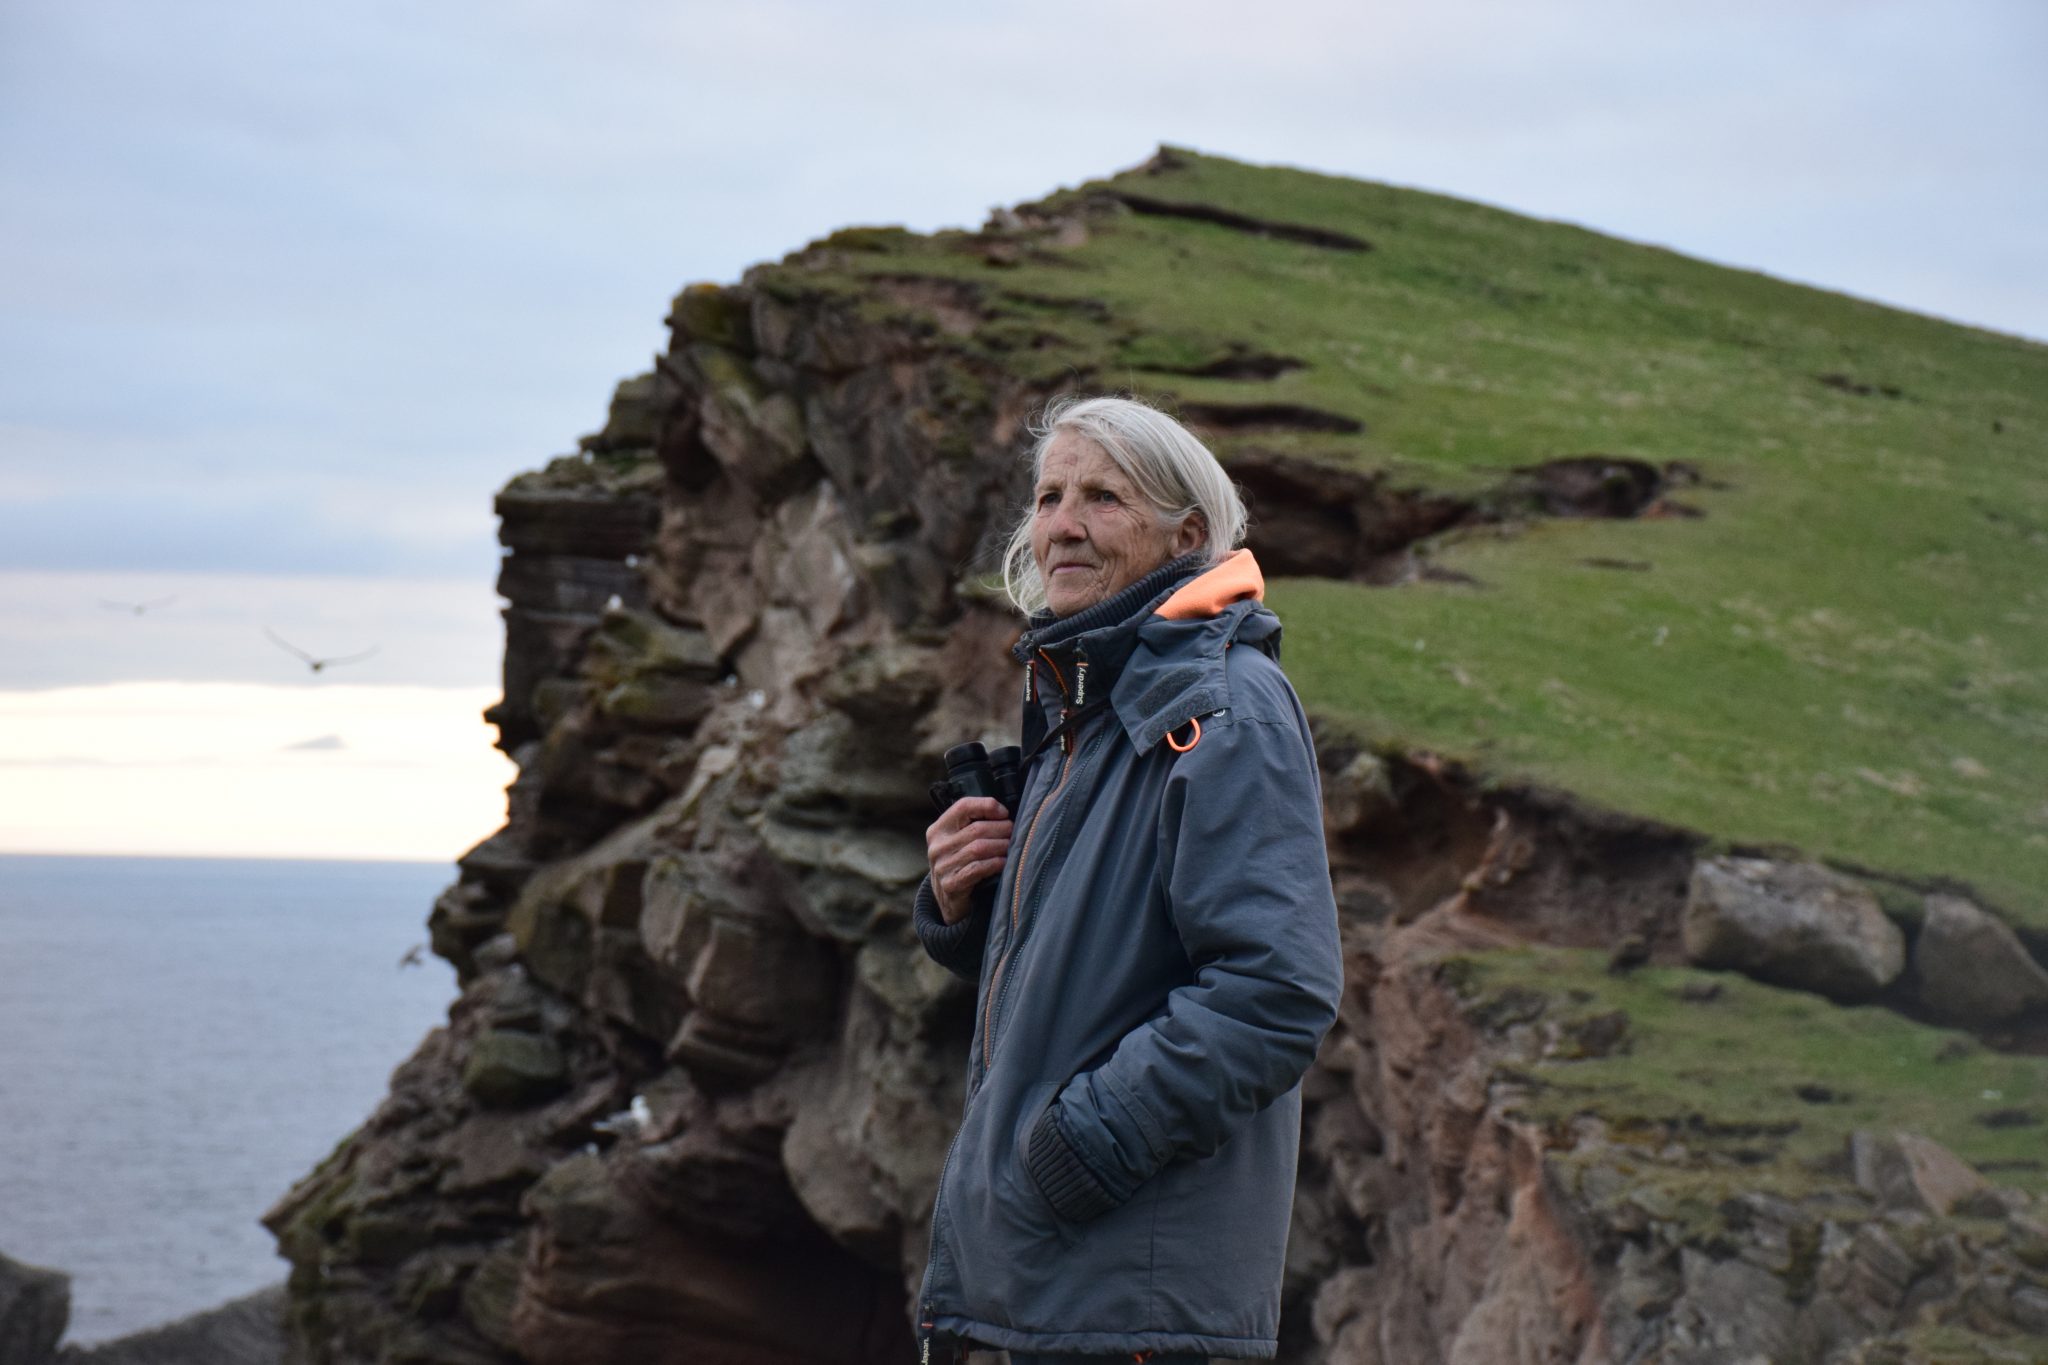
(972, 770)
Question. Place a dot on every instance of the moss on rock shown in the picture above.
(510, 1069)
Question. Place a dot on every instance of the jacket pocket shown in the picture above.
(1032, 1210)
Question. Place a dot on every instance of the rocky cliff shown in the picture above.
(1606, 1086)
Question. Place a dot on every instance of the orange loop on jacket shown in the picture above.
(1193, 740)
(1057, 676)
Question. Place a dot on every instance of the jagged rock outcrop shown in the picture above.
(246, 1331)
(694, 1097)
(35, 1310)
(1465, 1232)
(34, 1306)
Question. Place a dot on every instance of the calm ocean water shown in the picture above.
(180, 1040)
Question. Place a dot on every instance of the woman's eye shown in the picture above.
(1106, 496)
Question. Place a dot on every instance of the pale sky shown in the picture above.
(244, 770)
(291, 290)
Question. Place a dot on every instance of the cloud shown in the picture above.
(109, 769)
(58, 761)
(278, 529)
(323, 743)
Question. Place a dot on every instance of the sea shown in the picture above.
(181, 1039)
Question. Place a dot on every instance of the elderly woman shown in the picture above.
(1159, 960)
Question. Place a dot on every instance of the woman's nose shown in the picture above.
(1063, 524)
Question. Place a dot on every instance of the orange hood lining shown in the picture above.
(1207, 594)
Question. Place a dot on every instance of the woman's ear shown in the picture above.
(1193, 534)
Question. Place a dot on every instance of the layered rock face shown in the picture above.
(693, 1100)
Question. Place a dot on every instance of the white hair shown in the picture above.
(1172, 470)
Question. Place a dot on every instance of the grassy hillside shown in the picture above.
(1847, 652)
(1668, 1055)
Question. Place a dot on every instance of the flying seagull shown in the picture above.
(138, 608)
(315, 664)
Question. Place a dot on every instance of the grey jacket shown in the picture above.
(1158, 971)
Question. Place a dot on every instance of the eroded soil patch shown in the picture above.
(1240, 222)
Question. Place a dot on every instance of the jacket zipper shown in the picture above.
(997, 996)
(988, 1013)
(928, 1319)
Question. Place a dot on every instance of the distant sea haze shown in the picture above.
(180, 1040)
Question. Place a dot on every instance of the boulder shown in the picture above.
(508, 1068)
(35, 1306)
(1791, 924)
(1971, 968)
(1910, 1172)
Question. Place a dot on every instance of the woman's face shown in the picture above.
(1092, 533)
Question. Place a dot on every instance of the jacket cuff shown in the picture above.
(956, 947)
(1067, 1184)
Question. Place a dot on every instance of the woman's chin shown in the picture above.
(1064, 599)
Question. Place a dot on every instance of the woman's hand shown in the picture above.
(966, 846)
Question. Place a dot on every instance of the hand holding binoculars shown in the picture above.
(972, 770)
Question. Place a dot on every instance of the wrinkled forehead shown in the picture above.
(1072, 457)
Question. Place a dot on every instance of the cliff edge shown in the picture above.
(1668, 1036)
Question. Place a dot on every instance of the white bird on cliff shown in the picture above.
(635, 1119)
(316, 664)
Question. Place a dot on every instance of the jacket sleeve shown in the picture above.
(1247, 882)
(956, 947)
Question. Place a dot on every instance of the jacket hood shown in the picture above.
(1175, 671)
(1235, 579)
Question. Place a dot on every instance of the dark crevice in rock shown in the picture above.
(1241, 417)
(1313, 519)
(1239, 222)
(1310, 519)
(1602, 486)
(1238, 365)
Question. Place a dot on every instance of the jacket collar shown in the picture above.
(1157, 645)
(1094, 626)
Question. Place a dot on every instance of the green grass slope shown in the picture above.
(1758, 1088)
(1847, 652)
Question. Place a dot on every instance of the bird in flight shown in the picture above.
(316, 664)
(138, 608)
